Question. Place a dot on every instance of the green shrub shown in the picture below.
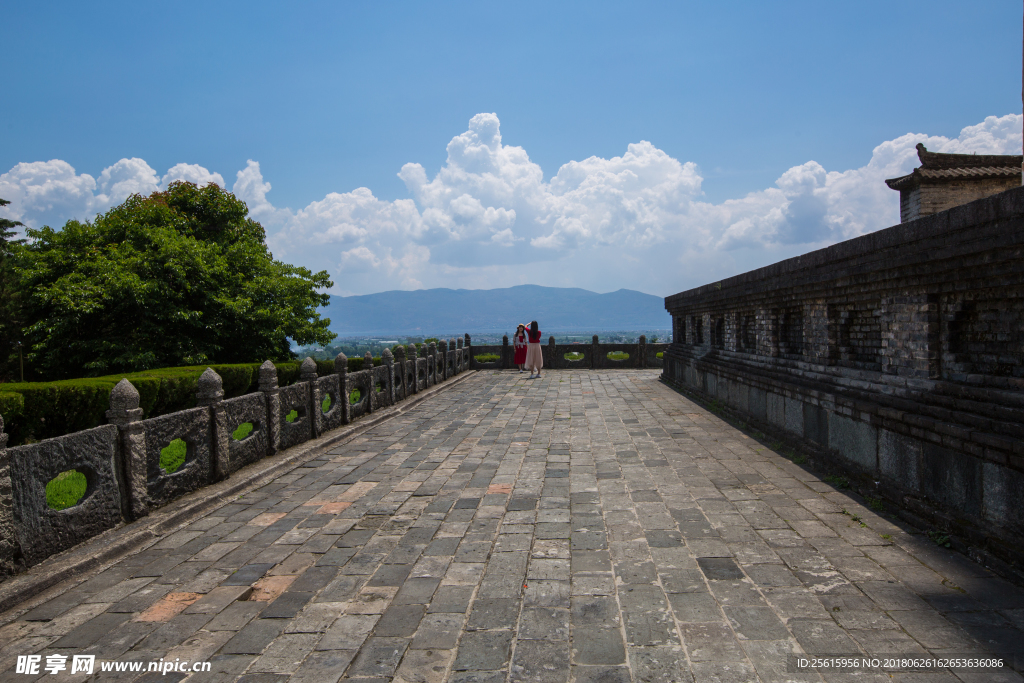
(325, 405)
(486, 358)
(33, 411)
(354, 397)
(172, 456)
(65, 490)
(574, 356)
(11, 406)
(618, 355)
(242, 431)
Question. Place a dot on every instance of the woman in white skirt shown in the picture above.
(534, 355)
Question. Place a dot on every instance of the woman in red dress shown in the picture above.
(519, 342)
(534, 355)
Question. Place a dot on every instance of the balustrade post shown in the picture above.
(210, 393)
(372, 386)
(8, 536)
(641, 347)
(432, 360)
(268, 385)
(594, 348)
(468, 353)
(452, 349)
(400, 371)
(307, 374)
(550, 362)
(131, 469)
(505, 362)
(341, 370)
(441, 361)
(387, 359)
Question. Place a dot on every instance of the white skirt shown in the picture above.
(534, 357)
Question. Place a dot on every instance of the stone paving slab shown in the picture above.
(585, 526)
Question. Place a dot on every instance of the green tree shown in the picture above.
(181, 277)
(10, 327)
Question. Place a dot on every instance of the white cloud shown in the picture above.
(47, 192)
(191, 173)
(488, 218)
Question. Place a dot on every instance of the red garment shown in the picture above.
(534, 336)
(519, 342)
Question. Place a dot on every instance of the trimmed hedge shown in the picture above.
(33, 411)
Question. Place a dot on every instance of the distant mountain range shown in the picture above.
(452, 311)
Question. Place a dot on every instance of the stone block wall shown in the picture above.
(896, 357)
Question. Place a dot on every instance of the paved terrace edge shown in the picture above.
(125, 539)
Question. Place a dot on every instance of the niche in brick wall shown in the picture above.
(983, 334)
(719, 338)
(746, 337)
(698, 329)
(791, 333)
(858, 336)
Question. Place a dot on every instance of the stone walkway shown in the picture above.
(586, 526)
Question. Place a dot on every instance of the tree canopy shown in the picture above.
(9, 293)
(180, 277)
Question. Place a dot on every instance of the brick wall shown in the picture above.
(933, 197)
(896, 357)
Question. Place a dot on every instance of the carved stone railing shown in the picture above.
(127, 473)
(592, 356)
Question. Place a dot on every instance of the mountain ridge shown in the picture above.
(444, 310)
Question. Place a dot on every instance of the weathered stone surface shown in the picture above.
(307, 370)
(335, 415)
(295, 398)
(718, 557)
(209, 388)
(42, 531)
(907, 339)
(195, 428)
(251, 408)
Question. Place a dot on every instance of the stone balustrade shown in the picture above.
(592, 356)
(125, 476)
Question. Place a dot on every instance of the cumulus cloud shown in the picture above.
(191, 173)
(488, 218)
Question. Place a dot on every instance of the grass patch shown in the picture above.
(875, 504)
(660, 354)
(939, 538)
(575, 355)
(243, 430)
(618, 355)
(886, 537)
(486, 358)
(65, 490)
(325, 405)
(172, 456)
(354, 397)
(838, 482)
(799, 459)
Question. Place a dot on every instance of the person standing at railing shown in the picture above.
(534, 355)
(519, 342)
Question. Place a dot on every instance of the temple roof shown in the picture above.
(936, 166)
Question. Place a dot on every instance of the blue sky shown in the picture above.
(760, 130)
